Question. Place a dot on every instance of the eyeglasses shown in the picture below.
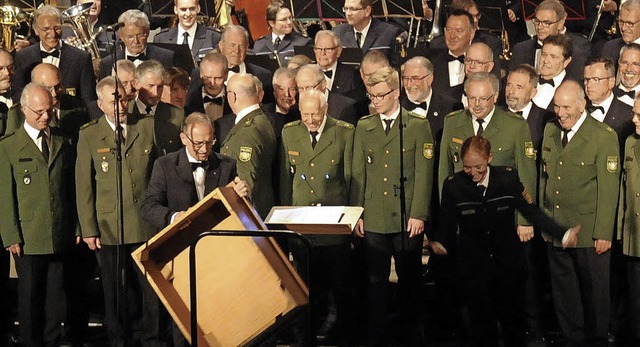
(414, 79)
(482, 100)
(132, 38)
(596, 79)
(40, 113)
(300, 89)
(543, 24)
(476, 16)
(626, 23)
(324, 50)
(472, 62)
(199, 144)
(379, 97)
(351, 9)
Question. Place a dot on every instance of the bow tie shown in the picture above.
(235, 69)
(520, 113)
(207, 99)
(452, 58)
(202, 164)
(328, 73)
(55, 54)
(545, 81)
(140, 56)
(538, 45)
(593, 108)
(412, 106)
(6, 95)
(620, 93)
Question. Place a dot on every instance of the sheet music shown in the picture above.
(310, 215)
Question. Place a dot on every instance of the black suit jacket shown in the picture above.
(439, 47)
(347, 81)
(94, 110)
(222, 127)
(439, 107)
(343, 108)
(537, 119)
(264, 46)
(206, 39)
(75, 67)
(172, 188)
(618, 117)
(164, 56)
(195, 102)
(525, 53)
(381, 36)
(612, 49)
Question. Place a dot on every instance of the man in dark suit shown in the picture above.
(557, 54)
(367, 33)
(206, 95)
(168, 119)
(96, 198)
(341, 79)
(251, 141)
(69, 112)
(599, 81)
(285, 91)
(182, 178)
(549, 20)
(579, 184)
(449, 77)
(340, 106)
(6, 99)
(282, 38)
(74, 64)
(39, 223)
(134, 34)
(628, 74)
(371, 62)
(629, 29)
(201, 39)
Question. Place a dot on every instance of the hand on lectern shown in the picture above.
(241, 187)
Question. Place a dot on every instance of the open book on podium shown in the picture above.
(245, 285)
(314, 219)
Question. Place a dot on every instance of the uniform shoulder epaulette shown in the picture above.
(263, 37)
(95, 121)
(163, 31)
(514, 116)
(450, 178)
(16, 105)
(292, 124)
(368, 116)
(6, 136)
(344, 124)
(419, 116)
(454, 113)
(605, 127)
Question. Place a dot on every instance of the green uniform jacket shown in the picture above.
(37, 198)
(510, 143)
(376, 169)
(73, 115)
(3, 122)
(96, 180)
(579, 184)
(168, 122)
(252, 143)
(629, 207)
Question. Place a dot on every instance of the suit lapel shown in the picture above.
(105, 133)
(132, 135)
(54, 147)
(580, 137)
(212, 178)
(368, 41)
(493, 128)
(29, 146)
(304, 140)
(198, 41)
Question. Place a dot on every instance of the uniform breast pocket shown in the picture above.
(503, 155)
(583, 168)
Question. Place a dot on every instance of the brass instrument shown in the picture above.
(11, 20)
(506, 48)
(435, 28)
(223, 15)
(77, 17)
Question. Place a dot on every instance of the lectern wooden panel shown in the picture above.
(244, 284)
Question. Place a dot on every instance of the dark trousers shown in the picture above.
(633, 270)
(580, 285)
(407, 253)
(41, 299)
(145, 323)
(80, 270)
(5, 305)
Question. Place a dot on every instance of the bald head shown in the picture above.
(242, 92)
(48, 76)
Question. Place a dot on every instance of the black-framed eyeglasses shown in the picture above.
(199, 144)
(300, 89)
(324, 50)
(626, 23)
(543, 23)
(379, 97)
(407, 79)
(351, 9)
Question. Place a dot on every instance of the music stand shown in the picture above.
(181, 55)
(396, 8)
(306, 51)
(264, 60)
(491, 19)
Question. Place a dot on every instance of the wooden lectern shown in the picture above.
(244, 285)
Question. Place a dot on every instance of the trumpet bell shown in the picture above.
(12, 20)
(77, 10)
(77, 17)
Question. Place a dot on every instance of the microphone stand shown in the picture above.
(121, 280)
(401, 187)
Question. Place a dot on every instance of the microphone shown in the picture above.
(115, 27)
(402, 38)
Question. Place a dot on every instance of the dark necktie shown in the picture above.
(452, 58)
(148, 110)
(593, 108)
(520, 113)
(207, 99)
(185, 38)
(235, 69)
(45, 145)
(565, 137)
(276, 42)
(3, 107)
(314, 139)
(545, 81)
(120, 134)
(620, 93)
(359, 39)
(387, 127)
(55, 54)
(202, 164)
(328, 73)
(480, 128)
(140, 56)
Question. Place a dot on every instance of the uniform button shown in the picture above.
(133, 185)
(637, 214)
(491, 256)
(387, 151)
(312, 178)
(499, 148)
(637, 195)
(312, 164)
(384, 179)
(25, 170)
(582, 163)
(557, 206)
(52, 198)
(312, 191)
(488, 232)
(332, 161)
(560, 162)
(53, 212)
(385, 193)
(557, 192)
(127, 155)
(170, 141)
(385, 165)
(135, 200)
(559, 178)
(130, 171)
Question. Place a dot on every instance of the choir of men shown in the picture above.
(565, 119)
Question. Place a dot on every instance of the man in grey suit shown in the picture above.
(200, 39)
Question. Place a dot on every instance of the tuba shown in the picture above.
(11, 20)
(77, 17)
(435, 28)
